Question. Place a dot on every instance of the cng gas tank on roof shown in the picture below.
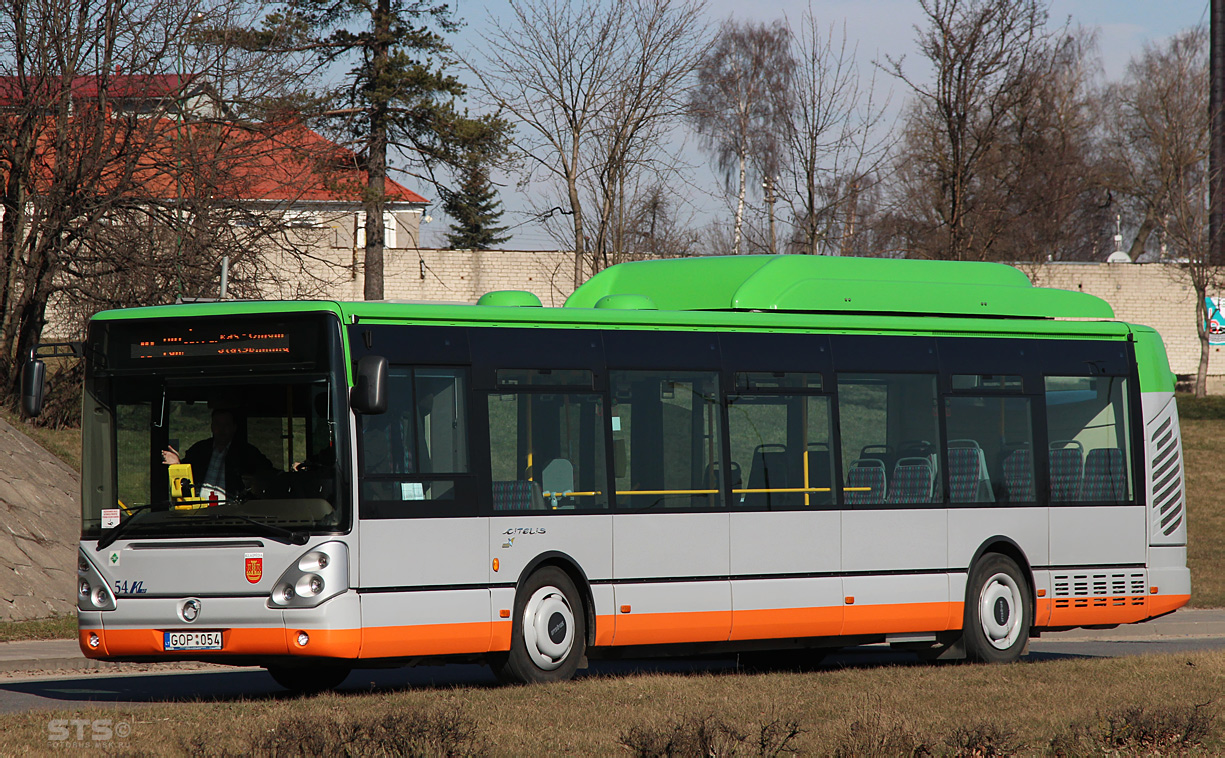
(824, 284)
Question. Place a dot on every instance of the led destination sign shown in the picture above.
(202, 342)
(199, 343)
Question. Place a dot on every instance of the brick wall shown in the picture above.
(1155, 294)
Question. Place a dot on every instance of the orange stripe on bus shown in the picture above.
(604, 628)
(786, 622)
(665, 628)
(330, 643)
(1161, 604)
(627, 629)
(902, 617)
(428, 639)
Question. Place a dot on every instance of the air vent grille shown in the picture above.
(1167, 489)
(1099, 590)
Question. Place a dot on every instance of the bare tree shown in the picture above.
(593, 87)
(831, 123)
(654, 227)
(1159, 139)
(736, 107)
(983, 54)
(88, 113)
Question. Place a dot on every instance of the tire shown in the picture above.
(309, 679)
(999, 611)
(549, 633)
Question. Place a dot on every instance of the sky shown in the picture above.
(877, 27)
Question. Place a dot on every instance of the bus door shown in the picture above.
(671, 532)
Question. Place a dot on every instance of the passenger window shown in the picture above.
(666, 437)
(546, 451)
(990, 450)
(413, 450)
(1090, 439)
(781, 456)
(890, 438)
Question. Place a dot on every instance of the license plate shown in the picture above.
(192, 640)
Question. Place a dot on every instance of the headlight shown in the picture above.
(319, 574)
(93, 592)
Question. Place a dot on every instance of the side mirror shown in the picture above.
(370, 388)
(33, 383)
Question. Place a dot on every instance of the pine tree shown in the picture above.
(475, 211)
(396, 95)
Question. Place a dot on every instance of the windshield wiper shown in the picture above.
(272, 532)
(118, 529)
(277, 533)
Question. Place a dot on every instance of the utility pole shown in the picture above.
(768, 186)
(1216, 150)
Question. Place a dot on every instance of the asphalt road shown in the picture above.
(107, 688)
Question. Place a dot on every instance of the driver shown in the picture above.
(220, 461)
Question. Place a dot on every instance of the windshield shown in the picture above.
(213, 453)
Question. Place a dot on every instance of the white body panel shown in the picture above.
(657, 545)
(423, 552)
(969, 528)
(895, 540)
(515, 541)
(671, 545)
(786, 542)
(432, 607)
(1096, 535)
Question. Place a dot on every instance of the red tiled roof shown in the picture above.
(152, 86)
(284, 162)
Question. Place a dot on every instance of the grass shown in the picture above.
(1202, 450)
(60, 627)
(1146, 705)
(64, 444)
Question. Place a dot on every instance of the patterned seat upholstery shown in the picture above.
(964, 474)
(1105, 476)
(912, 481)
(1066, 469)
(865, 473)
(517, 495)
(1019, 477)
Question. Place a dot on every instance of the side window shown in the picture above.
(990, 445)
(666, 439)
(132, 423)
(890, 439)
(780, 444)
(413, 451)
(1089, 433)
(546, 448)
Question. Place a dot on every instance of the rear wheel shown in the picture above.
(998, 610)
(309, 679)
(549, 634)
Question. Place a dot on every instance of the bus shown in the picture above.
(781, 455)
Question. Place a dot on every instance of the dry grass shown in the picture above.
(60, 627)
(1203, 443)
(1149, 705)
(63, 443)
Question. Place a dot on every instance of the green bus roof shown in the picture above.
(825, 284)
(747, 293)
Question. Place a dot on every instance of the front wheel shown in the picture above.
(549, 634)
(998, 611)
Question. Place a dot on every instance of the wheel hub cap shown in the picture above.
(548, 628)
(999, 609)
